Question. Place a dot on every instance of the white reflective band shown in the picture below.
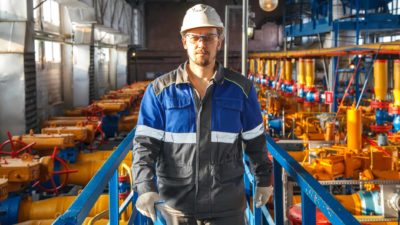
(258, 130)
(223, 137)
(180, 138)
(149, 132)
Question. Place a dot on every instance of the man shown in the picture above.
(190, 131)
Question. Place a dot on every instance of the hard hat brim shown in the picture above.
(184, 29)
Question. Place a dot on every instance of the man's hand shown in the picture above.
(145, 204)
(262, 195)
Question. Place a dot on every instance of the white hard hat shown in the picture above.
(201, 15)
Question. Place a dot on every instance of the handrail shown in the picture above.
(381, 48)
(82, 205)
(313, 194)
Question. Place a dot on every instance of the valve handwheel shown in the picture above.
(94, 112)
(18, 147)
(51, 175)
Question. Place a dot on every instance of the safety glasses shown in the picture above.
(206, 38)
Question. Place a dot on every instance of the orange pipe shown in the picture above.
(288, 70)
(301, 72)
(310, 72)
(354, 129)
(396, 88)
(269, 68)
(380, 79)
(382, 48)
(53, 207)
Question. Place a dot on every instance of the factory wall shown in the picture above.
(63, 55)
(16, 47)
(163, 49)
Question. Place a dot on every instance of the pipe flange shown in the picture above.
(310, 89)
(380, 104)
(394, 202)
(394, 110)
(288, 82)
(381, 128)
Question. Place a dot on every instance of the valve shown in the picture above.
(93, 112)
(50, 175)
(18, 147)
(124, 186)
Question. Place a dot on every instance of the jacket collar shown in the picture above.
(183, 78)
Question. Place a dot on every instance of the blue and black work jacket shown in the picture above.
(194, 146)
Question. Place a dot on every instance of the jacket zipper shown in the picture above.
(198, 107)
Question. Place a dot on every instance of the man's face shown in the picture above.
(202, 45)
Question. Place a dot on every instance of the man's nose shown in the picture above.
(202, 41)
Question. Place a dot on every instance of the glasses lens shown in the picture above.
(193, 38)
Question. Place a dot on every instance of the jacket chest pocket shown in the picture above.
(179, 114)
(228, 114)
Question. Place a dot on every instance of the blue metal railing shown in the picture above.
(108, 173)
(312, 193)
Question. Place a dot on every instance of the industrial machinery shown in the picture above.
(62, 159)
(353, 150)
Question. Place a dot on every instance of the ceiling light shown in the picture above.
(268, 5)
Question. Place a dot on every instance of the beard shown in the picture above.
(201, 59)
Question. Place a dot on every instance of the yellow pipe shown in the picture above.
(111, 106)
(269, 68)
(380, 79)
(127, 123)
(53, 207)
(388, 48)
(260, 66)
(350, 202)
(310, 72)
(282, 67)
(273, 68)
(354, 129)
(41, 212)
(251, 66)
(301, 72)
(48, 141)
(85, 222)
(298, 155)
(87, 168)
(80, 133)
(100, 155)
(396, 88)
(288, 70)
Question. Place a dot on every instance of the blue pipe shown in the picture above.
(396, 123)
(9, 209)
(370, 203)
(381, 116)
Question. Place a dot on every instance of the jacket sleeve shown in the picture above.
(254, 140)
(147, 142)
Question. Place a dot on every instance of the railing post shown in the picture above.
(113, 199)
(308, 210)
(256, 211)
(278, 193)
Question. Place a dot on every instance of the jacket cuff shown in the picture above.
(144, 187)
(263, 181)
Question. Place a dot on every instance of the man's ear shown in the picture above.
(220, 41)
(184, 42)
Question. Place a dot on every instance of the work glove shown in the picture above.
(145, 204)
(262, 195)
